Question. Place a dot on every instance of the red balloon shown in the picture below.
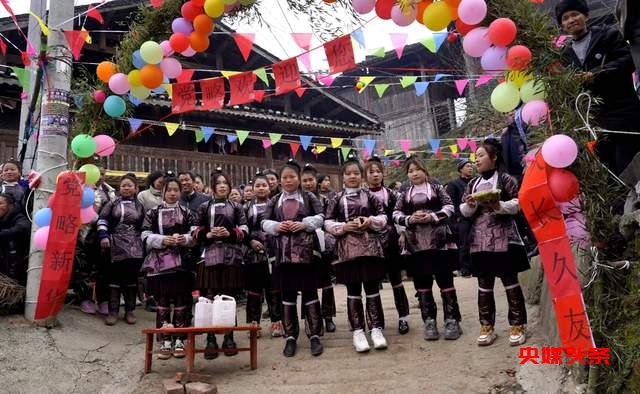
(563, 184)
(383, 8)
(99, 96)
(190, 10)
(199, 3)
(502, 32)
(518, 57)
(179, 42)
(463, 28)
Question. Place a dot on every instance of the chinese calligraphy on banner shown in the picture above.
(212, 93)
(60, 250)
(287, 75)
(340, 54)
(183, 97)
(549, 227)
(241, 86)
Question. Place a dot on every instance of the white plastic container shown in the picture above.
(224, 311)
(204, 312)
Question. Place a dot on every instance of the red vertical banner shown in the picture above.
(212, 93)
(61, 246)
(241, 86)
(547, 223)
(287, 75)
(183, 97)
(340, 54)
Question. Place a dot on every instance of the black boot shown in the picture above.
(428, 311)
(402, 306)
(254, 307)
(313, 326)
(355, 313)
(452, 317)
(130, 294)
(291, 328)
(211, 347)
(163, 315)
(329, 308)
(517, 315)
(229, 343)
(375, 315)
(114, 305)
(486, 308)
(290, 347)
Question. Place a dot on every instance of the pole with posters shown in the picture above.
(53, 134)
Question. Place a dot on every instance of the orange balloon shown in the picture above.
(203, 24)
(421, 6)
(199, 42)
(151, 76)
(105, 70)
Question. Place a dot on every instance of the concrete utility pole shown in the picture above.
(54, 130)
(39, 7)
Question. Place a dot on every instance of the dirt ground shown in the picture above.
(82, 355)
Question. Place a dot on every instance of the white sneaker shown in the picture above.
(517, 335)
(178, 349)
(379, 342)
(166, 351)
(360, 341)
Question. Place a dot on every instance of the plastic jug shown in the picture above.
(224, 311)
(204, 312)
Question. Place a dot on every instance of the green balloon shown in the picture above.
(92, 173)
(83, 145)
(151, 52)
(505, 97)
(532, 90)
(140, 92)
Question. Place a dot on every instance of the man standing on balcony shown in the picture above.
(191, 198)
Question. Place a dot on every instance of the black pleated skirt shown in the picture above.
(362, 269)
(221, 278)
(511, 262)
(178, 283)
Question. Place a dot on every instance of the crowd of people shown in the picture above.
(287, 233)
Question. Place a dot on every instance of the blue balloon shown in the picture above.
(136, 59)
(42, 218)
(114, 106)
(88, 197)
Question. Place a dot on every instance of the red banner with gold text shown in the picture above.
(61, 245)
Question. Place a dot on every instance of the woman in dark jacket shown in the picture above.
(424, 210)
(603, 61)
(166, 233)
(222, 229)
(119, 227)
(389, 239)
(496, 247)
(14, 239)
(355, 218)
(292, 217)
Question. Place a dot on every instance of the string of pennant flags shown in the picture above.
(454, 148)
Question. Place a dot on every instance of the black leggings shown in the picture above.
(355, 289)
(443, 279)
(307, 296)
(487, 282)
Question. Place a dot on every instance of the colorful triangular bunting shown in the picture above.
(266, 144)
(24, 77)
(336, 142)
(405, 145)
(421, 87)
(245, 43)
(294, 148)
(460, 85)
(232, 138)
(358, 35)
(320, 149)
(199, 135)
(242, 135)
(483, 79)
(135, 124)
(398, 40)
(171, 127)
(207, 132)
(378, 52)
(260, 73)
(92, 12)
(366, 81)
(303, 40)
(381, 88)
(76, 40)
(274, 138)
(345, 152)
(408, 81)
(435, 143)
(369, 146)
(305, 140)
(462, 143)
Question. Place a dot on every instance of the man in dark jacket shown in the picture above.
(628, 13)
(461, 225)
(15, 230)
(191, 198)
(604, 62)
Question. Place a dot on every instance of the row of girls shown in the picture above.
(370, 230)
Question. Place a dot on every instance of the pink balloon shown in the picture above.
(99, 96)
(535, 112)
(559, 151)
(41, 237)
(400, 19)
(166, 48)
(364, 6)
(494, 60)
(170, 67)
(88, 214)
(188, 52)
(476, 42)
(119, 83)
(105, 145)
(472, 12)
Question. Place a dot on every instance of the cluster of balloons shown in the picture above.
(559, 152)
(84, 145)
(435, 15)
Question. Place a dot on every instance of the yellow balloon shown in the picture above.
(532, 90)
(134, 78)
(505, 97)
(140, 92)
(519, 77)
(437, 16)
(214, 8)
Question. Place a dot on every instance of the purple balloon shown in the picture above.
(166, 48)
(494, 60)
(181, 25)
(476, 42)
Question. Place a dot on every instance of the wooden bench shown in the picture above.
(190, 344)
